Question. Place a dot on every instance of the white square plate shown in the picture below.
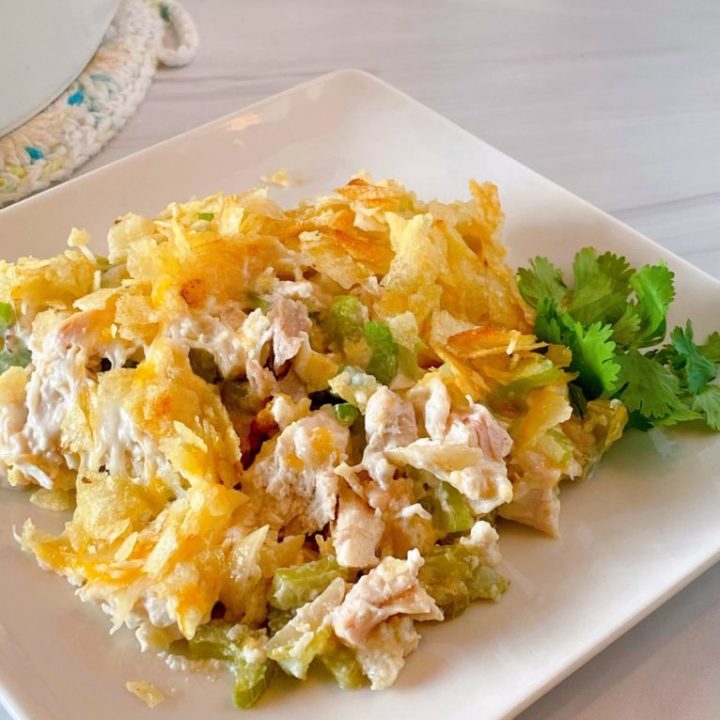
(638, 532)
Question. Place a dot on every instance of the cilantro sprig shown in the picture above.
(607, 316)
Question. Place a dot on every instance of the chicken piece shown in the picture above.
(484, 537)
(261, 380)
(303, 290)
(465, 448)
(432, 403)
(293, 478)
(389, 423)
(58, 394)
(474, 426)
(536, 493)
(255, 332)
(405, 523)
(216, 333)
(390, 589)
(292, 386)
(291, 325)
(478, 428)
(535, 505)
(541, 457)
(383, 655)
(286, 411)
(55, 432)
(357, 532)
(18, 464)
(482, 480)
(536, 499)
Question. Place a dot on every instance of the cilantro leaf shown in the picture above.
(547, 322)
(636, 421)
(711, 348)
(592, 349)
(682, 412)
(588, 265)
(593, 356)
(707, 402)
(601, 287)
(625, 330)
(616, 267)
(605, 317)
(693, 368)
(654, 290)
(541, 280)
(648, 387)
(592, 302)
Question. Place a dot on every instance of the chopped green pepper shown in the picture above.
(203, 365)
(13, 352)
(255, 301)
(346, 413)
(341, 662)
(449, 509)
(294, 586)
(345, 318)
(7, 316)
(215, 641)
(383, 361)
(454, 575)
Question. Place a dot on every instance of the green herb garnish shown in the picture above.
(606, 317)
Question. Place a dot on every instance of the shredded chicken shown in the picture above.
(296, 471)
(482, 481)
(290, 324)
(465, 448)
(220, 336)
(390, 589)
(383, 655)
(484, 537)
(389, 423)
(357, 533)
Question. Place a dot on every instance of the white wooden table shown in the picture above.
(619, 101)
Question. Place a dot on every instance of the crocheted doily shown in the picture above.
(50, 146)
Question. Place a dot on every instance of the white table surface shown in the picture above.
(619, 101)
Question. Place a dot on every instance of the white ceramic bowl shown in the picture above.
(44, 45)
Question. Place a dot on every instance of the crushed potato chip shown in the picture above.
(58, 500)
(280, 177)
(149, 693)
